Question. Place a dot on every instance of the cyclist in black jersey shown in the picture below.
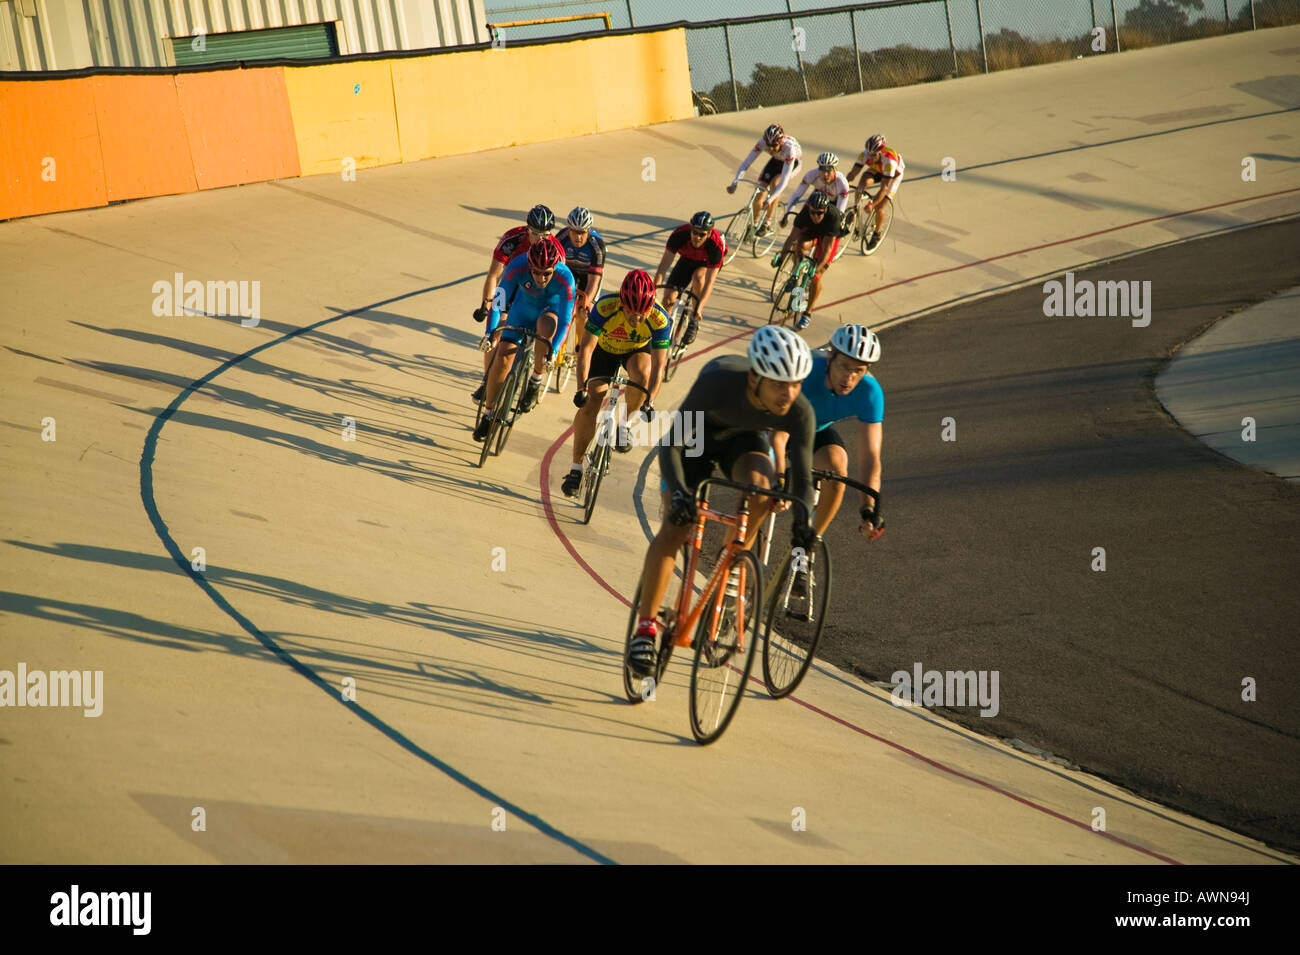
(728, 409)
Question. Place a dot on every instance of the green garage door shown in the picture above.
(306, 42)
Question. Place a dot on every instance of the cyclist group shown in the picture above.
(776, 407)
(827, 216)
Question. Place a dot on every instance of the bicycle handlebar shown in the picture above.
(819, 475)
(616, 379)
(701, 494)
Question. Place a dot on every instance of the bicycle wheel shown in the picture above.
(738, 231)
(783, 272)
(885, 223)
(488, 441)
(508, 400)
(844, 241)
(563, 372)
(676, 348)
(599, 464)
(635, 687)
(781, 304)
(763, 243)
(793, 623)
(724, 650)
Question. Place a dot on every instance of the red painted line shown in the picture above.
(555, 524)
(980, 782)
(545, 486)
(1048, 245)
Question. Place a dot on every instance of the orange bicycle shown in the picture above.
(725, 620)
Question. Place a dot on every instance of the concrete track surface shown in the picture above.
(493, 695)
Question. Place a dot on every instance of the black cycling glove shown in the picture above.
(579, 398)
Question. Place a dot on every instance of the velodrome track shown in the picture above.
(481, 690)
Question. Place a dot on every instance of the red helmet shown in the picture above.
(545, 254)
(638, 292)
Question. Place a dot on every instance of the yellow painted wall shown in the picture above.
(643, 79)
(343, 110)
(463, 102)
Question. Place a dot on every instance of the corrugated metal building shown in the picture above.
(73, 34)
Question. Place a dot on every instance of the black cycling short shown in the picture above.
(772, 170)
(606, 364)
(826, 437)
(683, 272)
(723, 453)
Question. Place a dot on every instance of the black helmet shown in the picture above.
(702, 220)
(819, 201)
(541, 218)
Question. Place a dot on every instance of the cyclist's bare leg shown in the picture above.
(657, 572)
(584, 422)
(755, 468)
(815, 285)
(697, 288)
(505, 355)
(758, 202)
(546, 328)
(880, 212)
(830, 458)
(638, 369)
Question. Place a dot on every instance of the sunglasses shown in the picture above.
(817, 213)
(542, 273)
(699, 234)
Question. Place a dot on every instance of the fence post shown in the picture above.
(1252, 23)
(632, 23)
(798, 56)
(979, 20)
(731, 68)
(1115, 20)
(947, 14)
(1092, 11)
(1227, 24)
(857, 56)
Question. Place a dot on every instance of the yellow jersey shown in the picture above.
(617, 335)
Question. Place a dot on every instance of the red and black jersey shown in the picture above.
(515, 242)
(711, 253)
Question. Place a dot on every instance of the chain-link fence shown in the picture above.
(765, 61)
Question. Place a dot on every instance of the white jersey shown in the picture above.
(837, 188)
(788, 151)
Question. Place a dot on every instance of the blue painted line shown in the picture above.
(160, 527)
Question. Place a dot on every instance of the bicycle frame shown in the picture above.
(688, 617)
(606, 417)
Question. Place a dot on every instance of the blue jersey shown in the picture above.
(525, 301)
(866, 402)
(586, 259)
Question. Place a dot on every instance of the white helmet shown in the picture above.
(580, 219)
(858, 342)
(778, 353)
(828, 160)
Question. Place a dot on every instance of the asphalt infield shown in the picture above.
(1134, 672)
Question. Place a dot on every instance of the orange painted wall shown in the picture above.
(54, 119)
(252, 143)
(146, 151)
